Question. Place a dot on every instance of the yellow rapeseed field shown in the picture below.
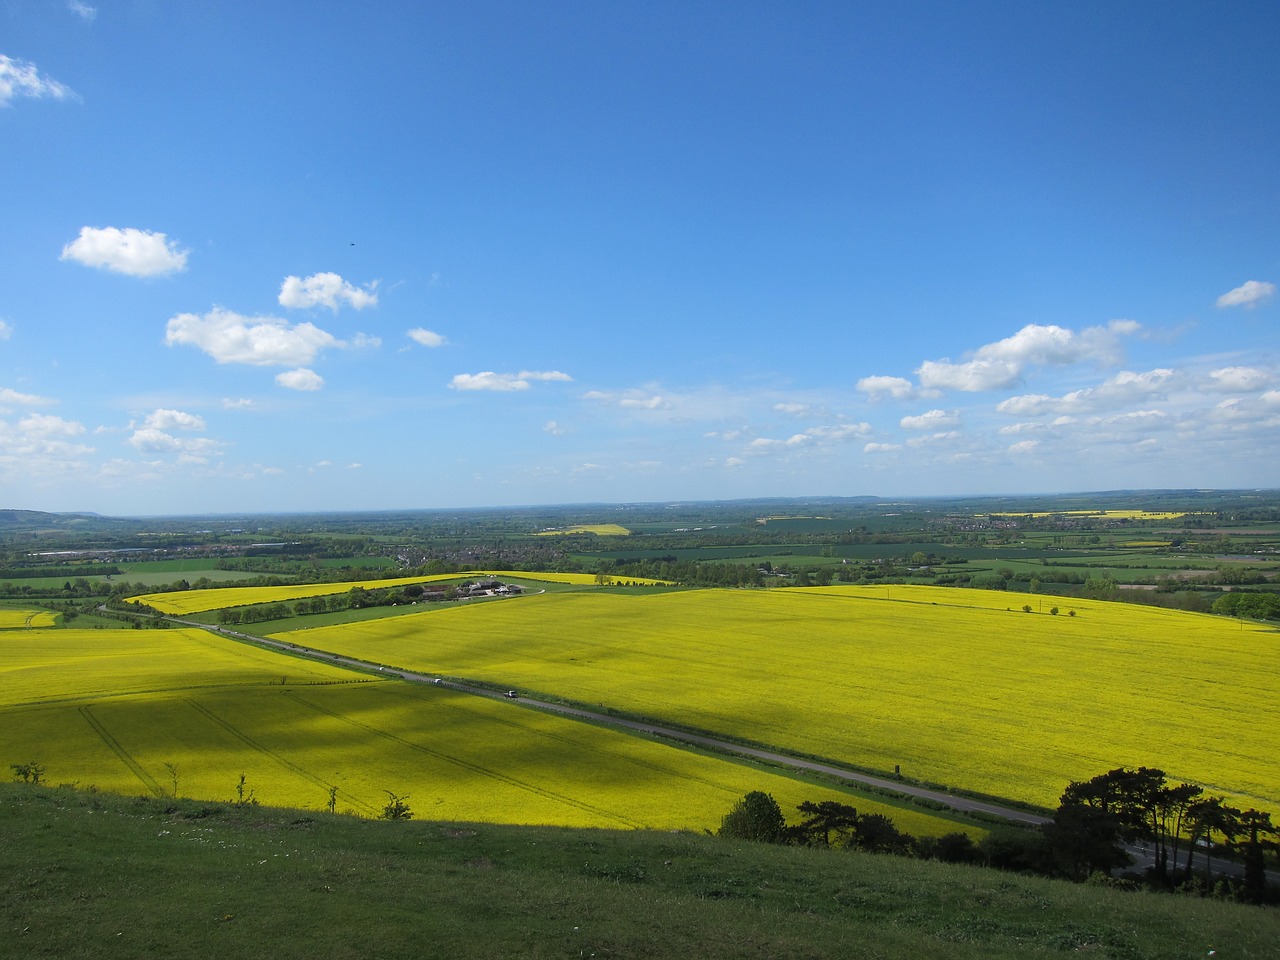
(959, 687)
(132, 711)
(599, 529)
(181, 603)
(10, 619)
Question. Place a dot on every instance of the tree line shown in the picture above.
(1097, 825)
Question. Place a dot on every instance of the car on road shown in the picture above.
(511, 694)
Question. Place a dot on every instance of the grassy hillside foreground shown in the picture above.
(90, 875)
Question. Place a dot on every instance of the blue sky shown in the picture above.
(335, 256)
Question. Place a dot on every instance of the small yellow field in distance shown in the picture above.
(159, 711)
(180, 603)
(12, 619)
(959, 687)
(599, 529)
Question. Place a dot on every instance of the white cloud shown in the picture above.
(325, 290)
(6, 331)
(644, 403)
(764, 444)
(21, 79)
(83, 10)
(840, 432)
(1124, 388)
(12, 398)
(1238, 380)
(503, 382)
(152, 440)
(135, 253)
(553, 428)
(300, 379)
(942, 436)
(238, 403)
(47, 425)
(1248, 295)
(894, 388)
(426, 338)
(354, 466)
(792, 409)
(161, 419)
(229, 337)
(1024, 446)
(932, 420)
(366, 341)
(881, 447)
(1001, 364)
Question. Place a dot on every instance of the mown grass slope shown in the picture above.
(83, 875)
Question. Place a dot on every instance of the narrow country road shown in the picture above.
(960, 803)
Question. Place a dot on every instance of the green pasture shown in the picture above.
(186, 712)
(959, 687)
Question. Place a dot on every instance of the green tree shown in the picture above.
(756, 816)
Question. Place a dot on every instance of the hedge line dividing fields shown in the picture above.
(956, 687)
(185, 712)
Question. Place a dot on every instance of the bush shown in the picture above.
(756, 816)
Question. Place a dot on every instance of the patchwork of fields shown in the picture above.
(956, 686)
(186, 602)
(159, 711)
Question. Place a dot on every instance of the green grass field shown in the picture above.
(92, 876)
(180, 711)
(958, 687)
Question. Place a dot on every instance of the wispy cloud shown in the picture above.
(10, 399)
(504, 382)
(133, 252)
(83, 10)
(932, 420)
(426, 338)
(1248, 295)
(18, 78)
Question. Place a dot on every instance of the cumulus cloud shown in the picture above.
(881, 447)
(151, 440)
(552, 428)
(1002, 364)
(892, 388)
(161, 419)
(426, 338)
(18, 78)
(325, 290)
(1124, 388)
(229, 337)
(83, 10)
(932, 420)
(236, 403)
(792, 409)
(1024, 446)
(133, 252)
(1238, 380)
(47, 425)
(1248, 295)
(503, 382)
(300, 379)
